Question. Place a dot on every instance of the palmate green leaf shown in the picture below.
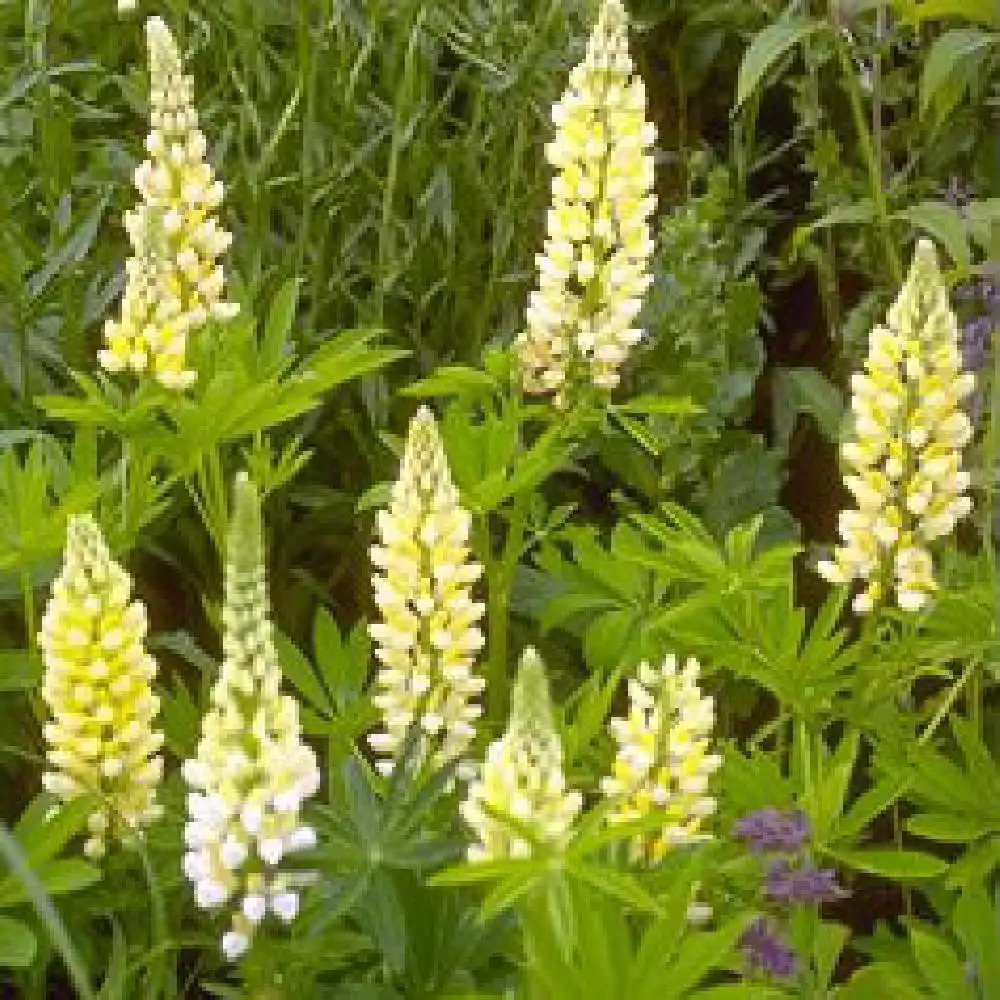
(805, 391)
(46, 826)
(546, 456)
(702, 952)
(869, 806)
(17, 944)
(300, 672)
(766, 48)
(343, 665)
(829, 797)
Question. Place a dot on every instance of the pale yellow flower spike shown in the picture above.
(522, 777)
(594, 271)
(252, 772)
(97, 686)
(174, 283)
(663, 764)
(428, 638)
(905, 455)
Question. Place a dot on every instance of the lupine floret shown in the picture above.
(428, 638)
(594, 270)
(663, 764)
(98, 687)
(904, 459)
(252, 772)
(174, 282)
(522, 778)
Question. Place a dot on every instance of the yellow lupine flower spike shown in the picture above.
(905, 454)
(594, 271)
(174, 283)
(663, 763)
(522, 777)
(428, 637)
(97, 686)
(252, 771)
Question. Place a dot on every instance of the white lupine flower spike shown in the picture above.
(174, 282)
(97, 685)
(428, 638)
(904, 459)
(522, 777)
(252, 772)
(594, 271)
(663, 764)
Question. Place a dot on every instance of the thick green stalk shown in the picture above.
(497, 600)
(872, 163)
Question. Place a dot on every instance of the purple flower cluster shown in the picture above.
(774, 831)
(766, 952)
(783, 835)
(983, 298)
(802, 885)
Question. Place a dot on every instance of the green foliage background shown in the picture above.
(387, 193)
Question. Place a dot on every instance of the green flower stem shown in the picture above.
(28, 595)
(499, 571)
(874, 166)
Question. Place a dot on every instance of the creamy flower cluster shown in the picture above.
(252, 771)
(428, 638)
(905, 456)
(594, 270)
(522, 777)
(97, 686)
(663, 764)
(174, 283)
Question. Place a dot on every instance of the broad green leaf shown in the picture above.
(660, 405)
(56, 877)
(951, 67)
(976, 921)
(893, 864)
(882, 979)
(17, 944)
(274, 347)
(805, 391)
(947, 827)
(945, 225)
(767, 47)
(978, 11)
(19, 670)
(451, 380)
(939, 964)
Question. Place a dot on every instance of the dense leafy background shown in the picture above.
(387, 192)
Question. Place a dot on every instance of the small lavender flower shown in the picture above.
(976, 335)
(792, 886)
(774, 831)
(766, 953)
